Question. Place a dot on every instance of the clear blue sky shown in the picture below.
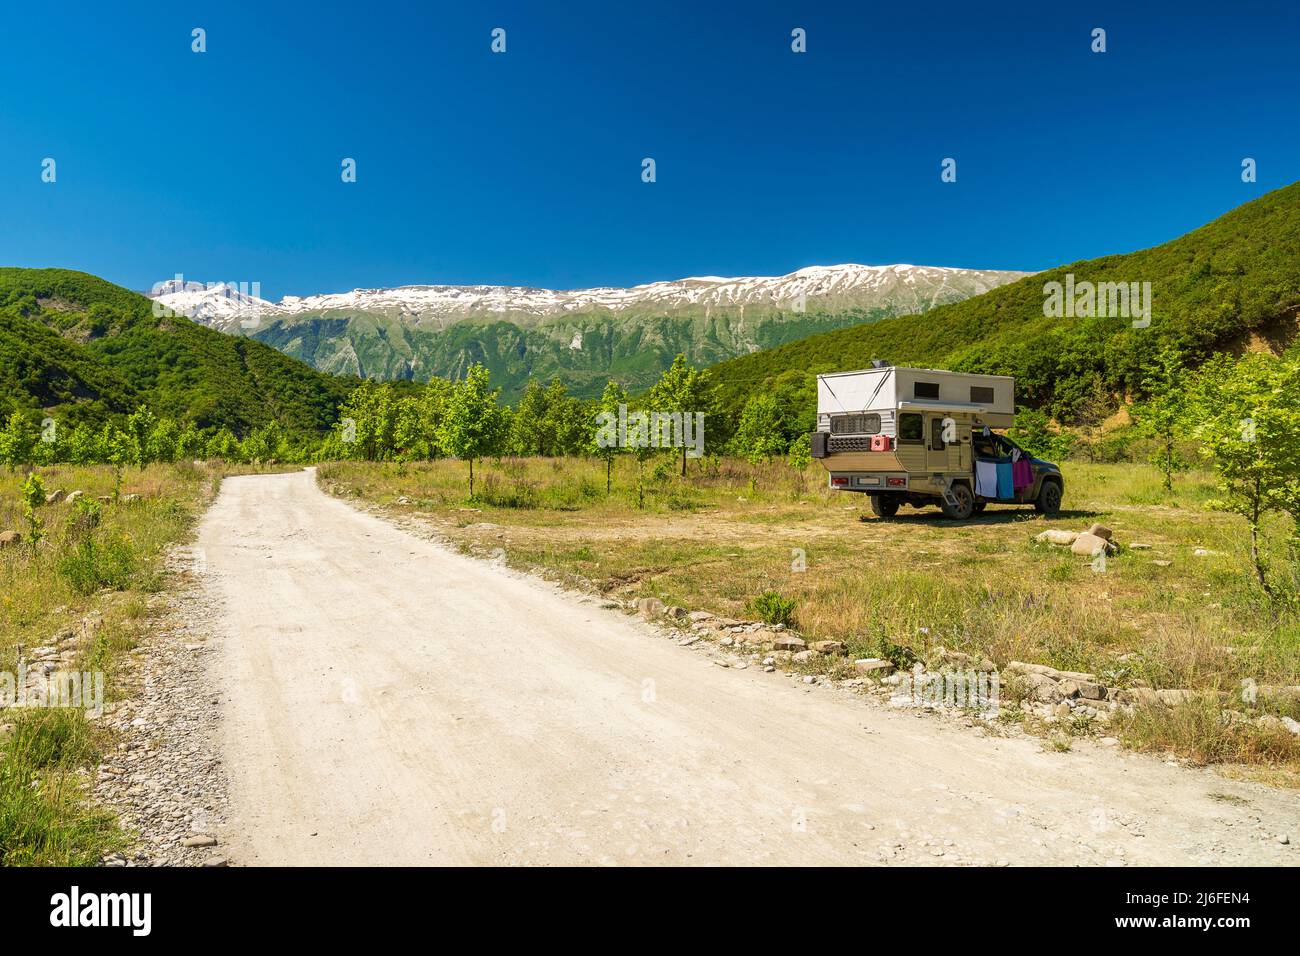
(525, 167)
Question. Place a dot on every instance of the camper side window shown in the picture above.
(911, 428)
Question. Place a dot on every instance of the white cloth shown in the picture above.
(986, 479)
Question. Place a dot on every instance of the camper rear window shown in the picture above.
(855, 425)
(981, 395)
(911, 428)
(926, 390)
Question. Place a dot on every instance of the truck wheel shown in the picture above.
(964, 506)
(1048, 501)
(884, 507)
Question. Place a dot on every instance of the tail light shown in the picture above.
(839, 480)
(897, 482)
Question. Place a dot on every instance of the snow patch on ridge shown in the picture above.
(909, 286)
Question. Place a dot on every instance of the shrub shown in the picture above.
(33, 491)
(773, 608)
(84, 517)
(93, 564)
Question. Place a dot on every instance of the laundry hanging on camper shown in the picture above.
(1006, 487)
(1022, 476)
(986, 479)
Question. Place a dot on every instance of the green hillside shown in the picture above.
(633, 347)
(82, 349)
(1230, 285)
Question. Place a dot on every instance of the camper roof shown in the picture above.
(911, 368)
(935, 405)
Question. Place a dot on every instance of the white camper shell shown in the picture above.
(924, 436)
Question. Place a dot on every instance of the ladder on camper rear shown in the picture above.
(945, 486)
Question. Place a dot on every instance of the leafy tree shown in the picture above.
(265, 444)
(761, 435)
(18, 440)
(33, 492)
(139, 426)
(1032, 432)
(472, 425)
(419, 421)
(224, 445)
(568, 420)
(682, 389)
(530, 426)
(372, 413)
(1248, 416)
(189, 443)
(1163, 415)
(800, 454)
(83, 445)
(52, 446)
(610, 400)
(163, 440)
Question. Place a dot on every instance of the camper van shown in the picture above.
(920, 436)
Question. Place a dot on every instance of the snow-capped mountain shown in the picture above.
(900, 288)
(584, 336)
(221, 305)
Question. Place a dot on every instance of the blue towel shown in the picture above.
(1005, 488)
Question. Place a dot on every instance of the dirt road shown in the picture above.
(388, 701)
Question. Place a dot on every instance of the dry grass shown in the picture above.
(107, 572)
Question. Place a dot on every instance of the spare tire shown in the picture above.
(885, 506)
(964, 506)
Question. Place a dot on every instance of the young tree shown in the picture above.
(472, 424)
(83, 445)
(1163, 414)
(33, 491)
(420, 421)
(761, 434)
(189, 443)
(1248, 418)
(139, 426)
(800, 454)
(681, 389)
(163, 440)
(52, 445)
(18, 440)
(223, 445)
(601, 444)
(568, 420)
(372, 412)
(265, 444)
(530, 426)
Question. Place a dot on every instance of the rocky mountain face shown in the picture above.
(583, 336)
